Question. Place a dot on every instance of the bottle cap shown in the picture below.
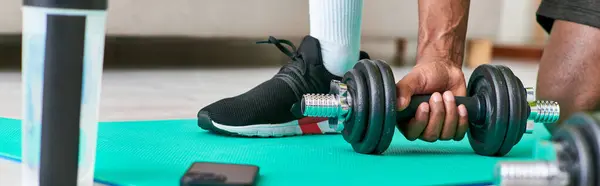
(69, 4)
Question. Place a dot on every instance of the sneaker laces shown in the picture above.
(302, 86)
(279, 44)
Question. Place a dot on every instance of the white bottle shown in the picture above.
(62, 60)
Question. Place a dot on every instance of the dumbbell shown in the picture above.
(362, 106)
(570, 157)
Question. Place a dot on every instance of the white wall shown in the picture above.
(517, 21)
(259, 18)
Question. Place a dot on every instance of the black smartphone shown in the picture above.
(219, 174)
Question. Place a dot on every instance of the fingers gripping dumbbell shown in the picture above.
(363, 107)
(571, 157)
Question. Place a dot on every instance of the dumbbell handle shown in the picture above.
(475, 107)
(539, 110)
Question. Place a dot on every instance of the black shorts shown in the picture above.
(585, 12)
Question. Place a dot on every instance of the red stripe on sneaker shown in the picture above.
(310, 125)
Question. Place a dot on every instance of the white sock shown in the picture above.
(336, 24)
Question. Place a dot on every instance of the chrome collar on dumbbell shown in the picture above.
(337, 107)
(535, 173)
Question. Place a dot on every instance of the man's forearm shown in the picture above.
(442, 30)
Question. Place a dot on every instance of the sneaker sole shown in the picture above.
(304, 126)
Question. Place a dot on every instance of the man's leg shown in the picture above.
(336, 23)
(569, 71)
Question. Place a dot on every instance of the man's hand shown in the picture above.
(440, 119)
(441, 41)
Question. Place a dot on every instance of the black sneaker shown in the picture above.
(265, 110)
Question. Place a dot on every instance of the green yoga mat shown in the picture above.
(159, 152)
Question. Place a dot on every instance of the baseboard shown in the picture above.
(184, 52)
(518, 52)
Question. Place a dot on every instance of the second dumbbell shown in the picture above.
(570, 158)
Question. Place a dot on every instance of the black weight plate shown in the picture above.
(355, 125)
(389, 124)
(516, 119)
(487, 136)
(375, 111)
(525, 108)
(577, 148)
(590, 127)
